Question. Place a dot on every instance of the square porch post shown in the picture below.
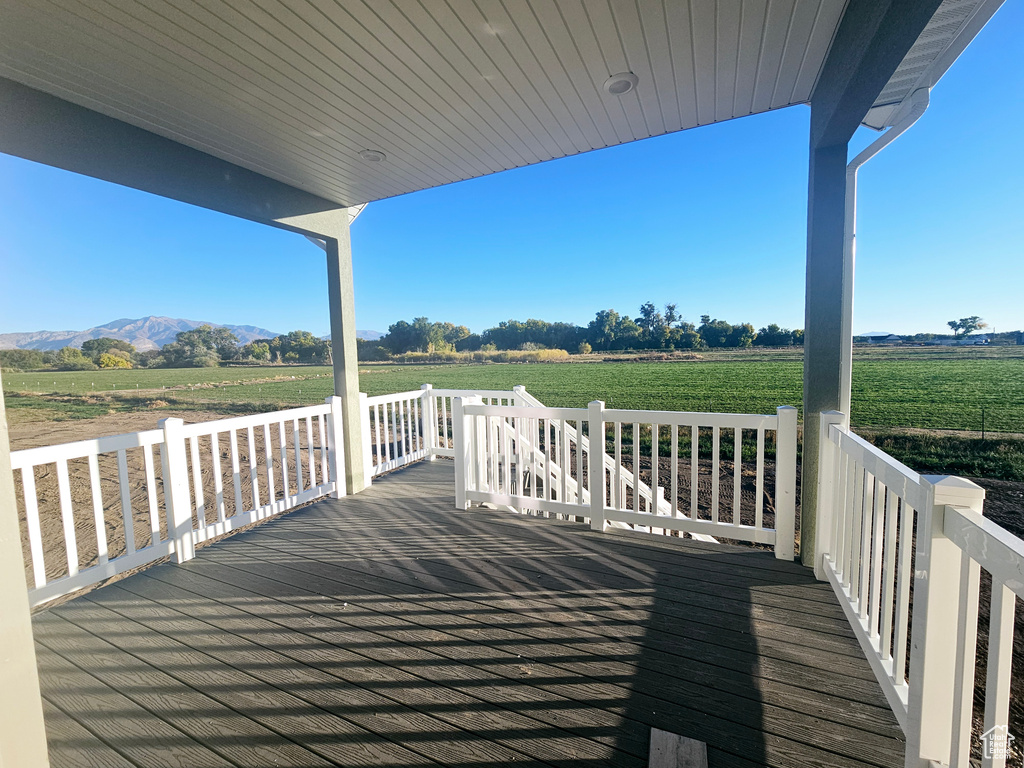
(22, 736)
(341, 294)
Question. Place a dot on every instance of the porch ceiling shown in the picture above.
(295, 89)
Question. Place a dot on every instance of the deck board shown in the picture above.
(390, 629)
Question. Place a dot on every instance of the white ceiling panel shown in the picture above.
(447, 89)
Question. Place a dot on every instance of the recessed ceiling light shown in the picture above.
(620, 84)
(372, 155)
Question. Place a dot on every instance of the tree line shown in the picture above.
(200, 347)
(608, 331)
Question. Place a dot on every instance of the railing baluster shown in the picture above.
(694, 472)
(889, 571)
(875, 596)
(67, 516)
(1000, 658)
(254, 476)
(311, 452)
(282, 445)
(268, 455)
(620, 496)
(636, 467)
(297, 453)
(325, 474)
(904, 574)
(674, 458)
(236, 471)
(857, 563)
(655, 430)
(716, 438)
(737, 473)
(218, 478)
(566, 466)
(35, 535)
(97, 509)
(394, 431)
(759, 481)
(865, 544)
(126, 504)
(197, 481)
(154, 509)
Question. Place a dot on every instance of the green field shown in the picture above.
(936, 390)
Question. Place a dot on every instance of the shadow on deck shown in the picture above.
(390, 629)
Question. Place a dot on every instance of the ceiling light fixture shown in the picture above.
(372, 155)
(620, 84)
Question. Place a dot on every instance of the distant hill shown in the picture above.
(145, 333)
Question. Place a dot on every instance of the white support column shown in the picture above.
(336, 449)
(179, 505)
(595, 464)
(826, 490)
(22, 735)
(785, 483)
(341, 293)
(935, 622)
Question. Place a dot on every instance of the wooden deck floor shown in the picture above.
(389, 629)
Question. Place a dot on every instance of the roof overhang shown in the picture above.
(297, 90)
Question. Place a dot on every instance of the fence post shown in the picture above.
(461, 437)
(826, 490)
(595, 464)
(336, 447)
(935, 623)
(428, 414)
(176, 496)
(785, 483)
(364, 421)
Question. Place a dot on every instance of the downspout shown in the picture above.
(917, 105)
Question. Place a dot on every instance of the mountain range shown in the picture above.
(144, 334)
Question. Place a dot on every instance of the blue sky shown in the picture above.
(712, 219)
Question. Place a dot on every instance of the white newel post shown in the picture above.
(935, 624)
(595, 464)
(463, 451)
(336, 447)
(785, 480)
(179, 506)
(520, 391)
(364, 427)
(825, 499)
(428, 414)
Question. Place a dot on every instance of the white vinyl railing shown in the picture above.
(904, 554)
(534, 458)
(185, 484)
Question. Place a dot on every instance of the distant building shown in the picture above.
(880, 337)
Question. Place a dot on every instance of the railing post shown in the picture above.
(935, 623)
(364, 422)
(785, 483)
(336, 447)
(428, 414)
(825, 498)
(519, 390)
(461, 437)
(179, 505)
(595, 464)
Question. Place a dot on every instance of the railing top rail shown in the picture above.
(394, 397)
(203, 428)
(472, 392)
(996, 549)
(522, 411)
(897, 477)
(47, 454)
(694, 419)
